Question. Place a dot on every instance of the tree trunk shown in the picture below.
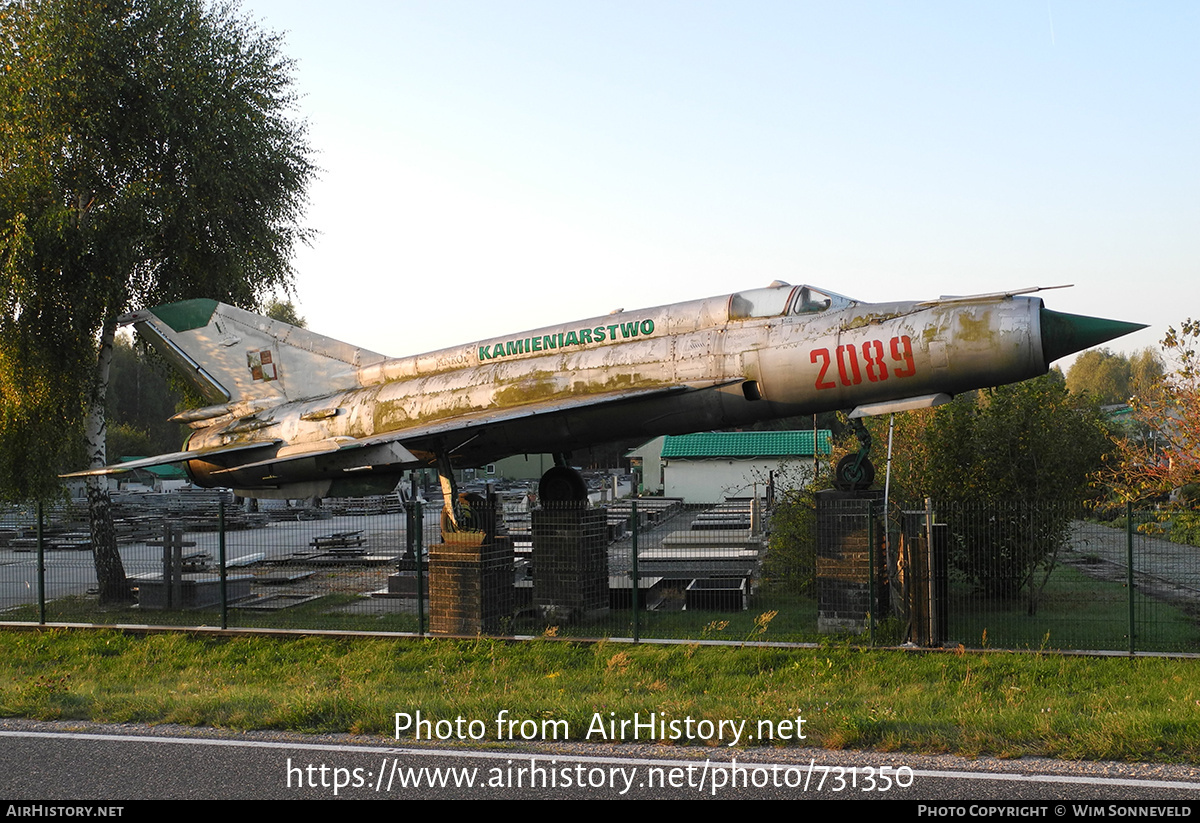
(110, 571)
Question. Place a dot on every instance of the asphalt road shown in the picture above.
(78, 762)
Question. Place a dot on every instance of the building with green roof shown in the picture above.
(711, 466)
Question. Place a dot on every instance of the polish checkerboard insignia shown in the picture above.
(262, 365)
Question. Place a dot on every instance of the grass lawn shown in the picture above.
(1006, 704)
(1074, 611)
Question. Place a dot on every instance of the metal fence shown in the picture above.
(808, 570)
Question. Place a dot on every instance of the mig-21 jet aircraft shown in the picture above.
(294, 414)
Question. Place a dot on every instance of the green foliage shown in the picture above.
(1146, 371)
(125, 440)
(1102, 375)
(791, 562)
(999, 547)
(1021, 449)
(285, 312)
(41, 407)
(1185, 526)
(910, 452)
(1110, 378)
(147, 154)
(1028, 441)
(1003, 467)
(163, 123)
(141, 399)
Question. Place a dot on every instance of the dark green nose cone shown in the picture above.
(1064, 334)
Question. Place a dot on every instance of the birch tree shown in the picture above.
(149, 152)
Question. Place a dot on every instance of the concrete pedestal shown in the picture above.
(200, 590)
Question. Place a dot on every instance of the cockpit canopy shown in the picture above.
(779, 299)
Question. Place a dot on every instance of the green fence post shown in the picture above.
(637, 619)
(1129, 568)
(221, 560)
(41, 567)
(419, 525)
(870, 573)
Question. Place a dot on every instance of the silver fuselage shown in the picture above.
(706, 364)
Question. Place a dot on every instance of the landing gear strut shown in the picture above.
(449, 494)
(462, 512)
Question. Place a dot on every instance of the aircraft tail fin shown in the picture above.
(231, 355)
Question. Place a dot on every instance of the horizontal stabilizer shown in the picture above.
(334, 455)
(172, 457)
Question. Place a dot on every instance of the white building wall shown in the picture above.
(650, 455)
(711, 481)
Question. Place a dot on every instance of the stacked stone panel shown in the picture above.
(570, 562)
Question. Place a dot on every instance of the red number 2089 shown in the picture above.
(853, 362)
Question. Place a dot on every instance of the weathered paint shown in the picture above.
(667, 370)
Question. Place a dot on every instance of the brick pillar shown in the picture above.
(471, 587)
(843, 586)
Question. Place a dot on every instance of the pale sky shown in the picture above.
(493, 166)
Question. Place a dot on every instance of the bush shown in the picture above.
(1029, 451)
(791, 562)
(999, 546)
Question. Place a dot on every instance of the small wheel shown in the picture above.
(851, 474)
(562, 483)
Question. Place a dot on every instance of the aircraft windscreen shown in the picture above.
(811, 301)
